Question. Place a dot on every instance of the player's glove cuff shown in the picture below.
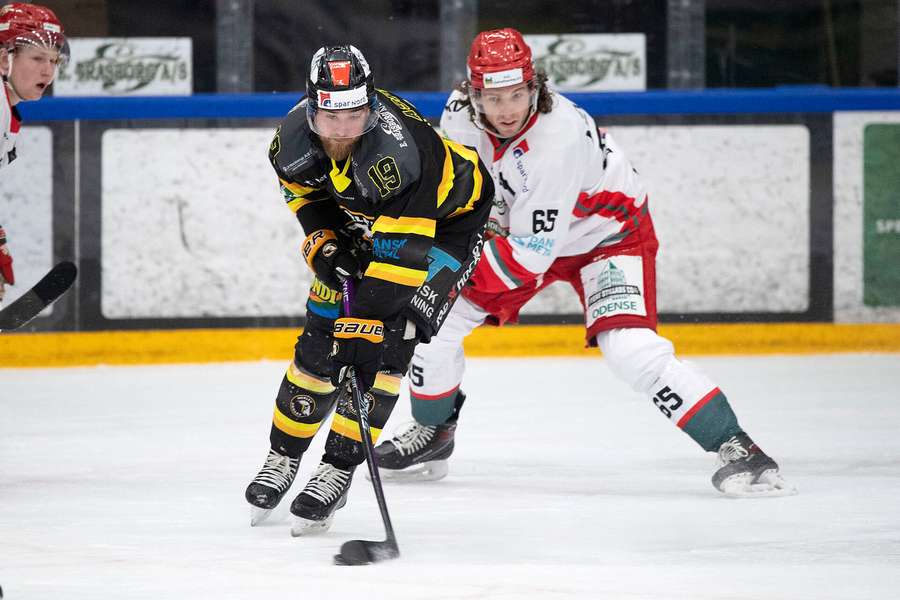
(328, 260)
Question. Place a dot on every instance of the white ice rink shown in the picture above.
(128, 482)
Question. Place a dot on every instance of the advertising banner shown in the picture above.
(127, 67)
(592, 61)
(881, 215)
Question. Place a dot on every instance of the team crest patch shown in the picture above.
(614, 286)
(302, 406)
(340, 72)
(349, 407)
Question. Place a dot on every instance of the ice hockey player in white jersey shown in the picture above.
(32, 45)
(568, 207)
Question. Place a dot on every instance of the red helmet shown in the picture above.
(498, 58)
(22, 23)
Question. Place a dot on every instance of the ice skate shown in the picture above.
(417, 453)
(314, 507)
(745, 471)
(270, 484)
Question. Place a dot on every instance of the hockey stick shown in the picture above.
(51, 286)
(363, 552)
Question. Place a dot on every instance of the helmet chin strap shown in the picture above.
(7, 81)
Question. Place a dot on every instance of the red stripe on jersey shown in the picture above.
(433, 397)
(696, 408)
(616, 205)
(504, 251)
(486, 280)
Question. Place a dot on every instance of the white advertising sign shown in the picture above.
(592, 61)
(127, 67)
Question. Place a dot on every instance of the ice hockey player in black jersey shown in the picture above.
(385, 200)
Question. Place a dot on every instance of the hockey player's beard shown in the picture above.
(338, 149)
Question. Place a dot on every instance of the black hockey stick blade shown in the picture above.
(53, 285)
(363, 552)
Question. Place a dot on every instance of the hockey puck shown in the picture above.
(353, 553)
(363, 552)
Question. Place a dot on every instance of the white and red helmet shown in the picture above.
(499, 58)
(22, 24)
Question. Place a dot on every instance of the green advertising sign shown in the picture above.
(881, 215)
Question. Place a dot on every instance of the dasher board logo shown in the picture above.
(592, 61)
(127, 67)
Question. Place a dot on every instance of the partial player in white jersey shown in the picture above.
(568, 207)
(32, 45)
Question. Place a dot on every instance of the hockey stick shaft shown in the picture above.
(362, 410)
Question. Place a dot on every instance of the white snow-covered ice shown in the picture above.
(128, 482)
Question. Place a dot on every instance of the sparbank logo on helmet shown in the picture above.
(342, 99)
(503, 78)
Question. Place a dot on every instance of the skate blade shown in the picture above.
(258, 515)
(306, 527)
(428, 471)
(768, 485)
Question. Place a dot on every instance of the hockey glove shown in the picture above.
(328, 260)
(358, 343)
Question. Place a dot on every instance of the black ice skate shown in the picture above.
(418, 453)
(315, 506)
(270, 484)
(746, 471)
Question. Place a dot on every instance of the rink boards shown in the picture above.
(222, 345)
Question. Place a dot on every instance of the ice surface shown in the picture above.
(128, 482)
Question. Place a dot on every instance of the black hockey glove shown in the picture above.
(358, 343)
(328, 260)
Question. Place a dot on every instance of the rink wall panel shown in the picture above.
(173, 215)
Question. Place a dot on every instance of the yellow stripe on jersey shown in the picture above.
(447, 176)
(307, 381)
(471, 156)
(297, 189)
(388, 384)
(350, 429)
(404, 226)
(296, 194)
(291, 427)
(396, 274)
(339, 176)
